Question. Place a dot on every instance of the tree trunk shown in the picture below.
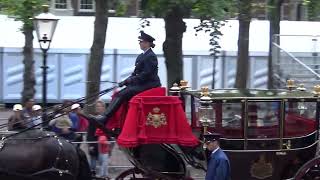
(274, 19)
(28, 61)
(97, 53)
(172, 46)
(243, 44)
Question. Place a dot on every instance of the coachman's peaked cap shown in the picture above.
(146, 37)
(212, 137)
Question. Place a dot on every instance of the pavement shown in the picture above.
(118, 162)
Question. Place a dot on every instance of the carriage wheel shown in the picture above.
(309, 171)
(132, 173)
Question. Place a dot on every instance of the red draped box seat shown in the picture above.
(117, 120)
(152, 118)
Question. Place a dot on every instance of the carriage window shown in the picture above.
(231, 115)
(263, 125)
(263, 119)
(231, 121)
(300, 119)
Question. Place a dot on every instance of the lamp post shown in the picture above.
(45, 25)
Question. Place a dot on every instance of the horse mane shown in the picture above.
(33, 133)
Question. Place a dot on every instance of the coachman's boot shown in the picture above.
(112, 108)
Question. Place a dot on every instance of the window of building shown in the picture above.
(86, 5)
(60, 4)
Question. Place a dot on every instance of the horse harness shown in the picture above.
(58, 158)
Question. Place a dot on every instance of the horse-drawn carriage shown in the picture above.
(267, 134)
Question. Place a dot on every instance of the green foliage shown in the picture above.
(203, 9)
(22, 10)
(313, 7)
(160, 8)
(217, 9)
(121, 8)
(212, 14)
(213, 27)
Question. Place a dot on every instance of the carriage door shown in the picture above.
(300, 125)
(262, 125)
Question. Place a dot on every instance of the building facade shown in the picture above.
(87, 7)
(292, 10)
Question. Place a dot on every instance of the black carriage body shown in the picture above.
(157, 161)
(267, 134)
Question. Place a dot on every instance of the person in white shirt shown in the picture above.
(37, 115)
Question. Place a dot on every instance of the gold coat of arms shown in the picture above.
(261, 169)
(155, 118)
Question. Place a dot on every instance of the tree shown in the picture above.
(243, 43)
(274, 12)
(173, 13)
(97, 52)
(313, 7)
(23, 10)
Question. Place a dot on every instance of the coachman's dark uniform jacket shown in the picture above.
(145, 74)
(144, 77)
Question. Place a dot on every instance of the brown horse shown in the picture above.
(42, 155)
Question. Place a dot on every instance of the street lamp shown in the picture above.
(45, 25)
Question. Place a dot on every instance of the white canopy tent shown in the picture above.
(77, 32)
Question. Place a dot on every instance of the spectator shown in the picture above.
(80, 124)
(27, 112)
(103, 156)
(218, 162)
(61, 125)
(100, 108)
(83, 122)
(37, 115)
(80, 121)
(66, 106)
(16, 121)
(74, 116)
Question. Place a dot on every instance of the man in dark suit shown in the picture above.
(218, 162)
(144, 77)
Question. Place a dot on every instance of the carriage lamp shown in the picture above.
(316, 90)
(301, 87)
(45, 25)
(206, 112)
(290, 84)
(175, 90)
(184, 84)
